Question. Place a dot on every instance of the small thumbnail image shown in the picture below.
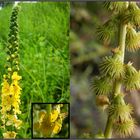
(50, 120)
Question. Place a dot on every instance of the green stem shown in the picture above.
(122, 38)
(117, 84)
(49, 108)
(108, 129)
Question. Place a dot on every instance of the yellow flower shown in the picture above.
(12, 120)
(6, 103)
(3, 117)
(16, 108)
(5, 87)
(15, 76)
(9, 134)
(15, 89)
(17, 123)
(41, 115)
(54, 115)
(57, 127)
(45, 126)
(57, 107)
(50, 124)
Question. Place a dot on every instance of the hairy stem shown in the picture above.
(117, 84)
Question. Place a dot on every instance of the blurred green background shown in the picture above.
(86, 52)
(44, 54)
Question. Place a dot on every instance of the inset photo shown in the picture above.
(50, 120)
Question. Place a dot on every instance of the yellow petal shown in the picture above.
(9, 134)
(54, 115)
(18, 123)
(15, 76)
(57, 128)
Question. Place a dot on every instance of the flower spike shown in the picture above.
(11, 91)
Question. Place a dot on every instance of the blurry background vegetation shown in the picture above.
(64, 132)
(86, 52)
(44, 54)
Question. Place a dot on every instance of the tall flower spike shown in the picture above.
(112, 67)
(10, 87)
(101, 86)
(132, 39)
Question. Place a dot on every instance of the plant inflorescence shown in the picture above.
(49, 121)
(114, 73)
(11, 90)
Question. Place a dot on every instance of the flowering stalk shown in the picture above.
(10, 87)
(122, 36)
(114, 73)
